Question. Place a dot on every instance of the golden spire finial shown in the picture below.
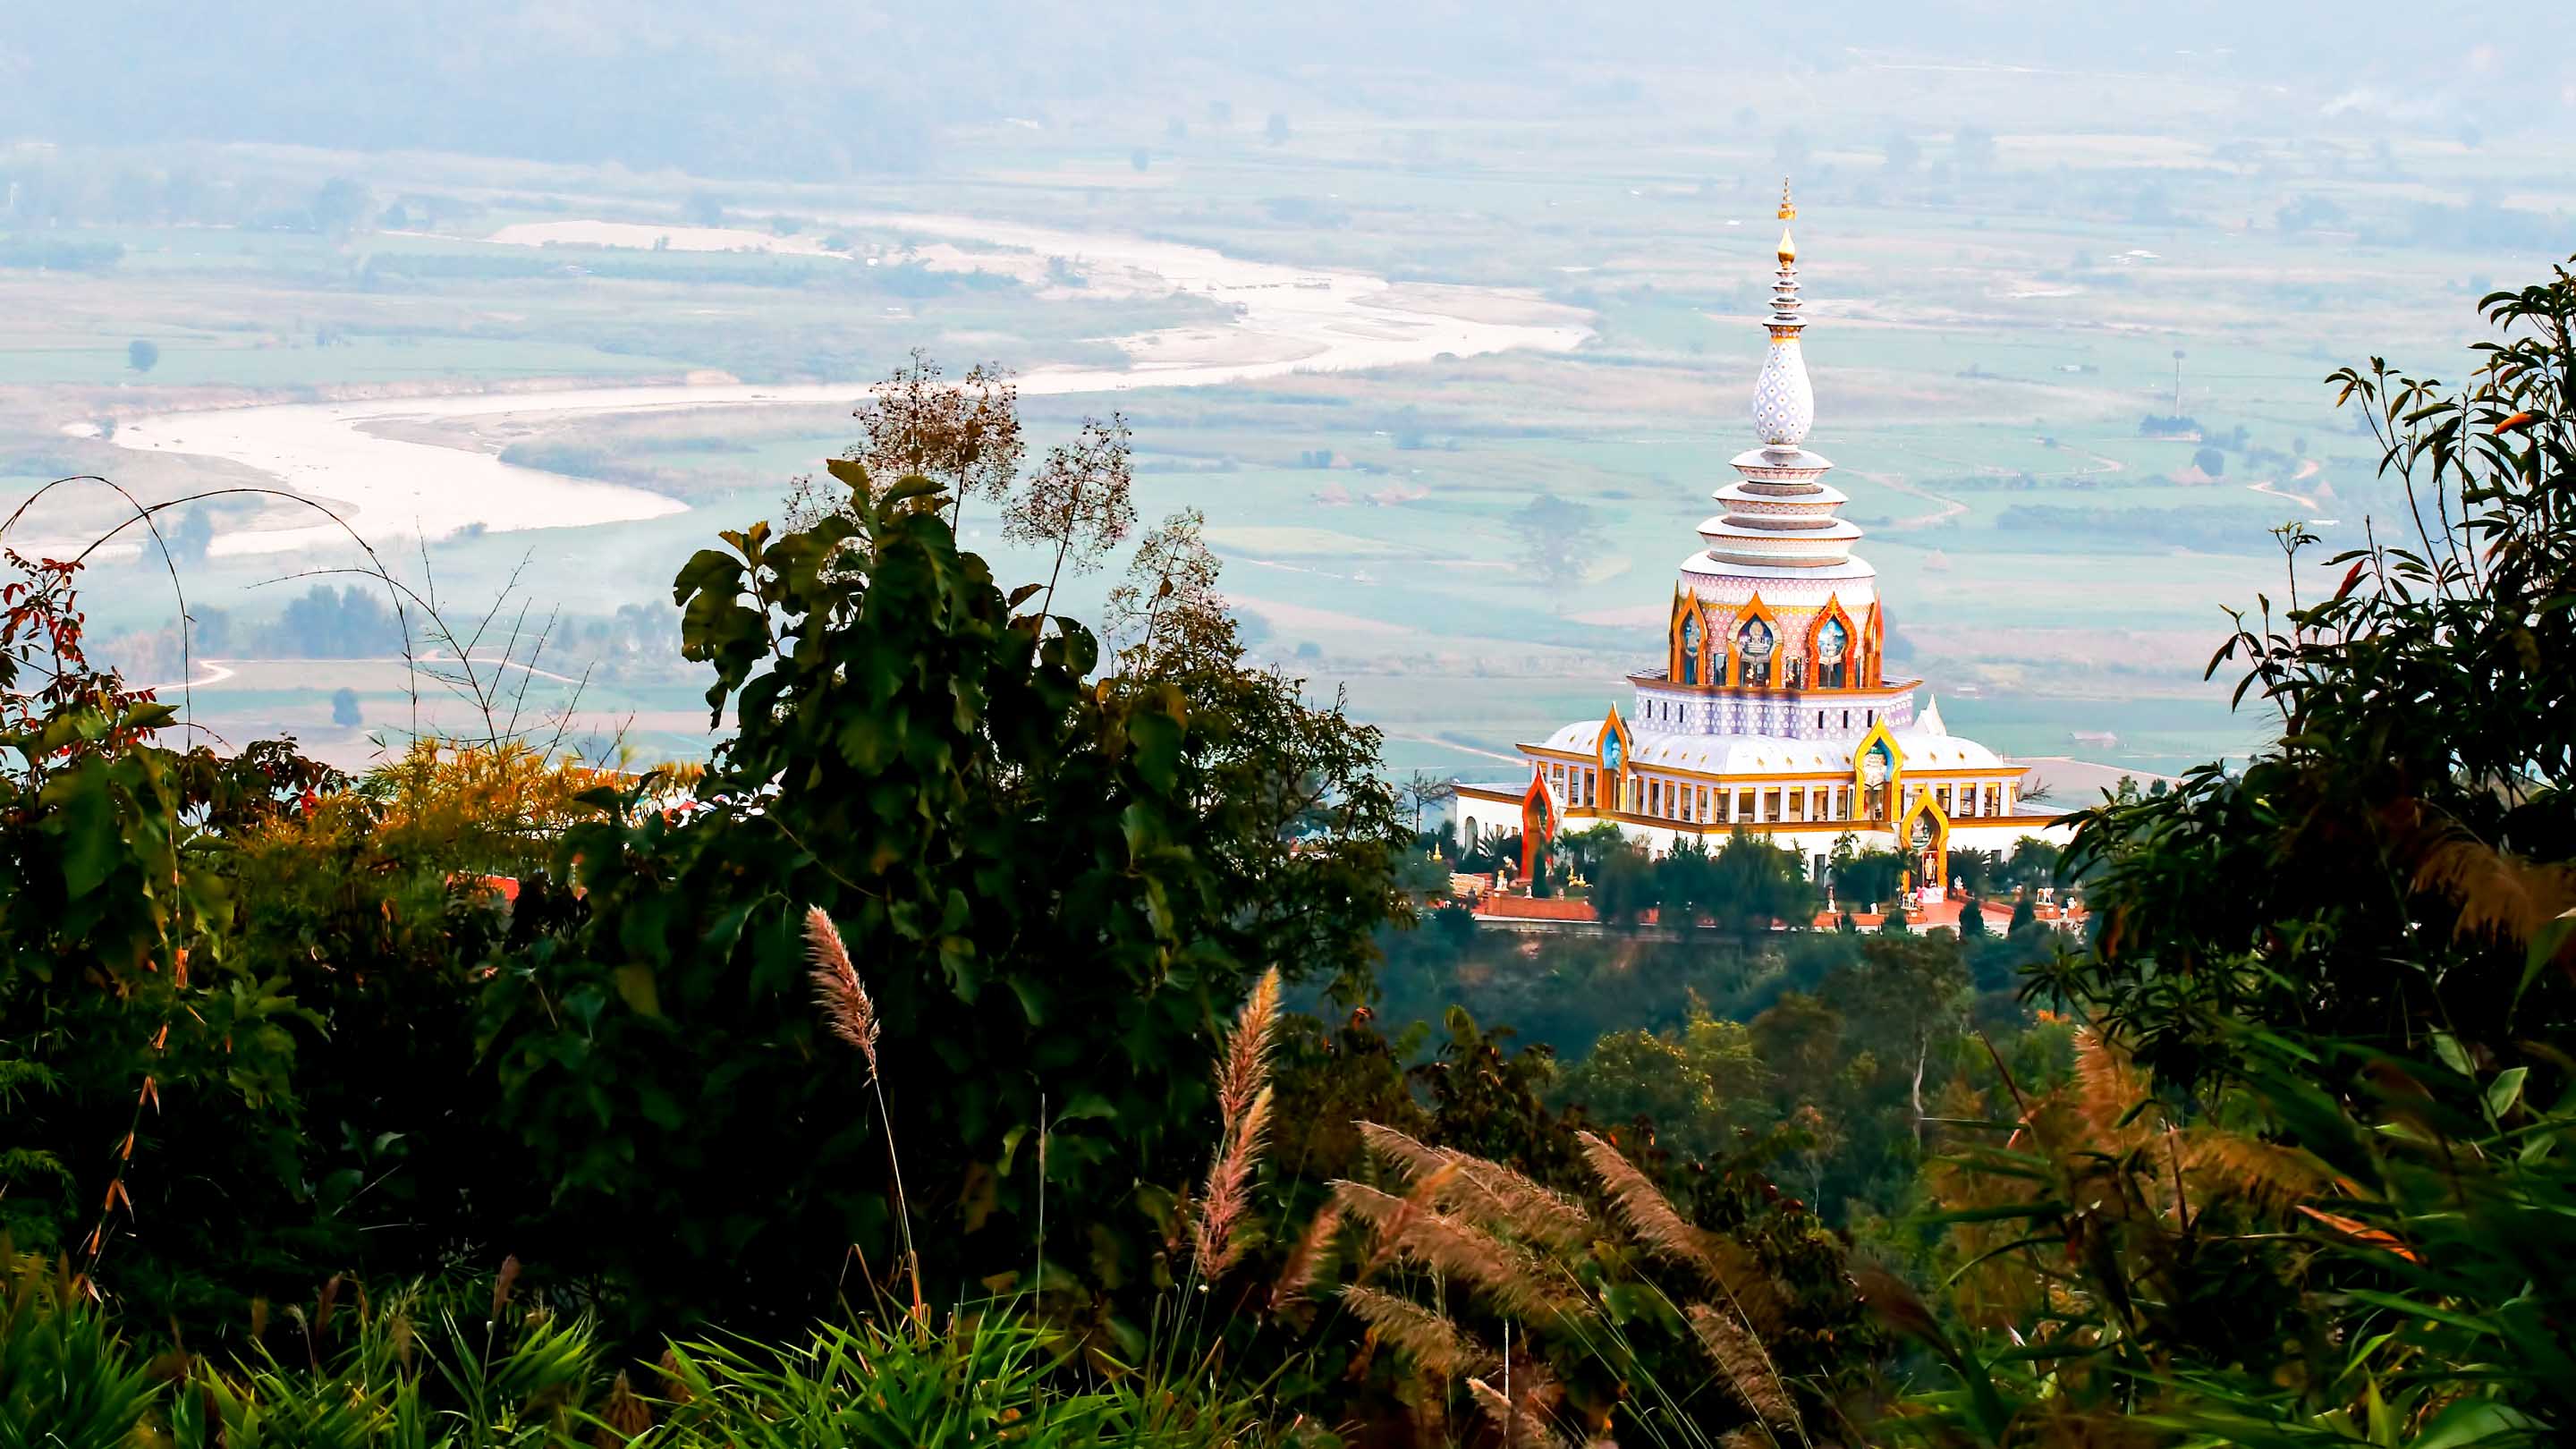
(1788, 208)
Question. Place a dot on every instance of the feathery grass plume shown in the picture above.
(623, 1416)
(1514, 1279)
(1229, 1189)
(501, 1282)
(1243, 1112)
(1387, 1216)
(853, 1017)
(1246, 1063)
(1494, 1194)
(1525, 1417)
(2272, 1176)
(1306, 1261)
(675, 1381)
(1748, 1370)
(2500, 895)
(1435, 1345)
(1365, 1203)
(1648, 1214)
(1664, 1230)
(2109, 1089)
(837, 988)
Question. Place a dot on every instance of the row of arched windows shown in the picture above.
(1752, 652)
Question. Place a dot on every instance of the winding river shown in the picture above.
(1287, 320)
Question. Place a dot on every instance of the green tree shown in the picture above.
(1052, 878)
(2333, 990)
(1753, 884)
(2033, 863)
(194, 537)
(1869, 878)
(339, 205)
(1625, 885)
(1699, 1086)
(1559, 540)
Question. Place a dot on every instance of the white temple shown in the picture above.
(1769, 713)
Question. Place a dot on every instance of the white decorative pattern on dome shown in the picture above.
(1784, 402)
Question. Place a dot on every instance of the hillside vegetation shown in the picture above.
(984, 1047)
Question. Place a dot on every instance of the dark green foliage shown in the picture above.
(1052, 884)
(2347, 968)
(1866, 879)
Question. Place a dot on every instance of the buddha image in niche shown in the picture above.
(1753, 643)
(1874, 770)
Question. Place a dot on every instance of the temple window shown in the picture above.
(1994, 800)
(1798, 805)
(1771, 805)
(1754, 643)
(1690, 649)
(1833, 647)
(1942, 794)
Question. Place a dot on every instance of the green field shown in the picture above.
(1984, 346)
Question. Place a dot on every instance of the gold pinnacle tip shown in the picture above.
(1788, 208)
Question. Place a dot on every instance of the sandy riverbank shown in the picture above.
(389, 482)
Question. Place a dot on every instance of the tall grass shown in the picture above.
(402, 1373)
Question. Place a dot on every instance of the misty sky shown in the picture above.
(802, 88)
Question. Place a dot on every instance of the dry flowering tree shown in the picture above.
(963, 435)
(1080, 501)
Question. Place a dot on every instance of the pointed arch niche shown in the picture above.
(1833, 649)
(1924, 837)
(1878, 775)
(1612, 755)
(1538, 825)
(1869, 646)
(1756, 654)
(1690, 641)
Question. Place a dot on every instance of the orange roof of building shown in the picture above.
(1531, 908)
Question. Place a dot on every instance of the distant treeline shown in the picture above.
(2209, 530)
(51, 255)
(910, 279)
